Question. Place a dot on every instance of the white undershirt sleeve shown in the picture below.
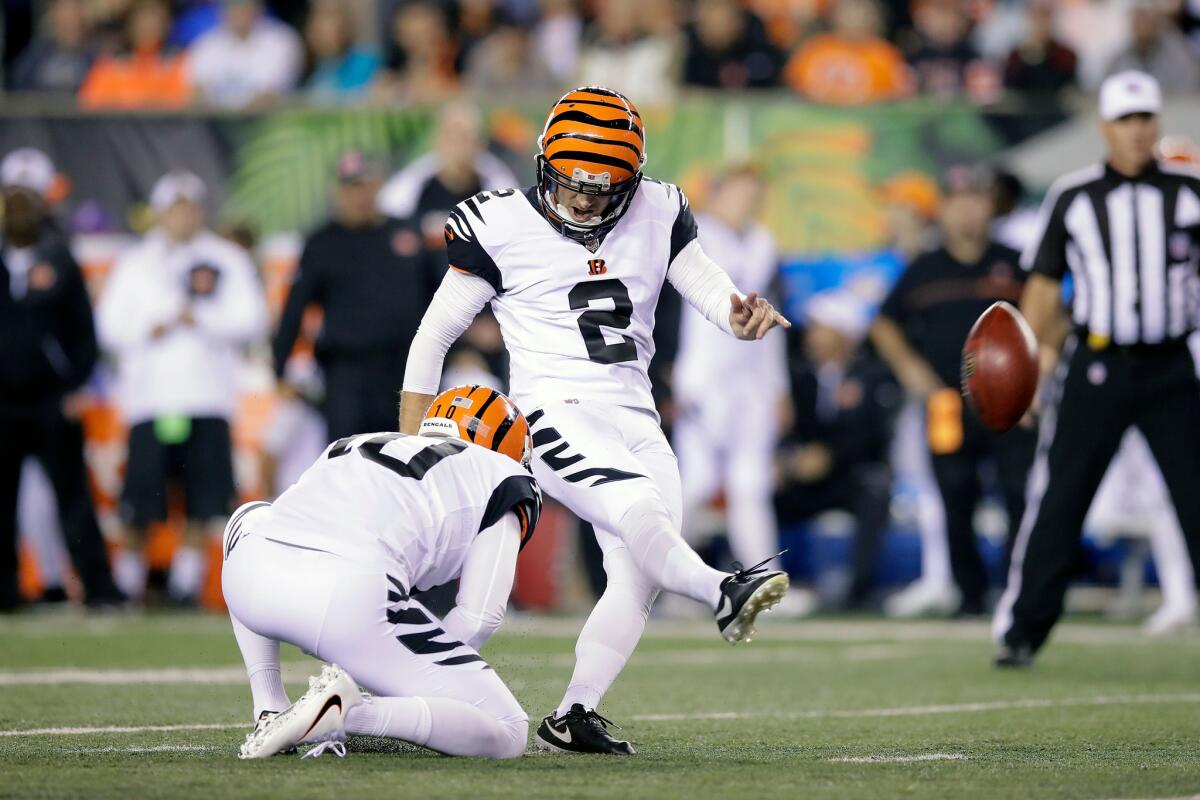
(458, 300)
(703, 284)
(486, 582)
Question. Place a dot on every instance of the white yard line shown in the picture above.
(219, 726)
(832, 713)
(76, 624)
(922, 711)
(833, 630)
(298, 670)
(162, 748)
(197, 676)
(899, 759)
(117, 677)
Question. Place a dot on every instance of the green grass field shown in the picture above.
(155, 706)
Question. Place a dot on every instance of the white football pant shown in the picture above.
(613, 467)
(429, 691)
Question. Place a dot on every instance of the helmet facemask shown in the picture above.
(592, 144)
(550, 179)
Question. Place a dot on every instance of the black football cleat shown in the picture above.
(1018, 656)
(580, 730)
(744, 595)
(105, 597)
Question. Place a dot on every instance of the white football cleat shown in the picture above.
(318, 716)
(1170, 620)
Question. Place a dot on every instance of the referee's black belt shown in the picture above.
(1099, 342)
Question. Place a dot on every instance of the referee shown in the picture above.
(1128, 230)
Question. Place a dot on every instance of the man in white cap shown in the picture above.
(49, 352)
(1129, 232)
(177, 312)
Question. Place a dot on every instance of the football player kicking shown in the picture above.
(332, 565)
(573, 268)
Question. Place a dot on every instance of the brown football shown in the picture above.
(1000, 366)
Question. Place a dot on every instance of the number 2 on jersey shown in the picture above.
(415, 468)
(590, 320)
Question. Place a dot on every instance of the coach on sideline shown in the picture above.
(49, 351)
(368, 274)
(920, 332)
(1128, 231)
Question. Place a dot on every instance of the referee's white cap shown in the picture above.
(1129, 92)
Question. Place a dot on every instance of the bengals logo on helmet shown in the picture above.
(481, 415)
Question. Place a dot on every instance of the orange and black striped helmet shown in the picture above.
(481, 415)
(593, 143)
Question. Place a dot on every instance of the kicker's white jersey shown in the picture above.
(409, 503)
(578, 325)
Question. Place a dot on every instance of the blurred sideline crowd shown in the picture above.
(251, 54)
(860, 427)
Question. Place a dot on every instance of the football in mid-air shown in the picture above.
(1000, 366)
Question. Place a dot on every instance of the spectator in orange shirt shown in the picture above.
(850, 65)
(146, 75)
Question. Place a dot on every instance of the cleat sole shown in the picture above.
(549, 747)
(764, 598)
(542, 744)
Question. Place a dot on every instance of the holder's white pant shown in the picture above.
(358, 617)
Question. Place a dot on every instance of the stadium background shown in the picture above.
(828, 167)
(120, 704)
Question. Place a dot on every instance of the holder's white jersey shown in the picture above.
(414, 503)
(578, 325)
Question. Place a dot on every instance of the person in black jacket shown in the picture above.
(920, 332)
(369, 276)
(836, 454)
(49, 352)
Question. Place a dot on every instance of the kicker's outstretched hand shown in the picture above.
(753, 317)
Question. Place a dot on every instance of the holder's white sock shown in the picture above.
(262, 667)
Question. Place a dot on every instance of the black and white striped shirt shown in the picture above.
(1132, 245)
